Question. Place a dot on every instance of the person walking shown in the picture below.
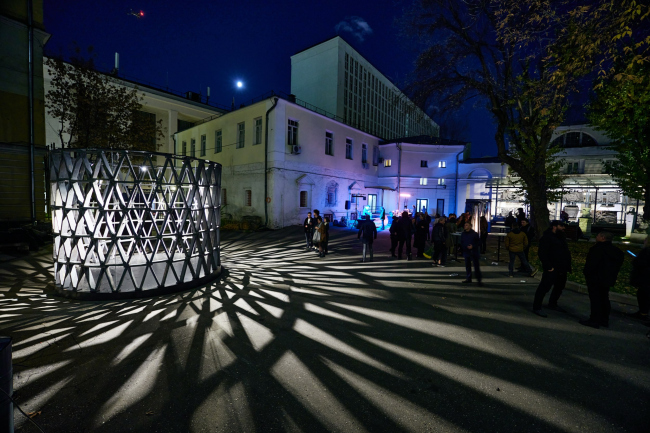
(603, 263)
(516, 242)
(556, 264)
(640, 278)
(393, 230)
(470, 244)
(367, 234)
(439, 237)
(404, 233)
(421, 234)
(451, 227)
(483, 224)
(309, 231)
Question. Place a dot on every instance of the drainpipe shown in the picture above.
(266, 163)
(174, 138)
(456, 187)
(399, 175)
(30, 27)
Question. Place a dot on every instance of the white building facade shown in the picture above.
(281, 160)
(336, 78)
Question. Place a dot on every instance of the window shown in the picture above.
(424, 163)
(192, 148)
(348, 148)
(572, 168)
(224, 197)
(292, 133)
(258, 131)
(329, 143)
(423, 181)
(364, 153)
(441, 181)
(303, 198)
(247, 197)
(375, 155)
(241, 135)
(218, 141)
(387, 162)
(203, 145)
(442, 164)
(332, 189)
(184, 149)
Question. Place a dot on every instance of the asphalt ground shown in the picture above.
(287, 341)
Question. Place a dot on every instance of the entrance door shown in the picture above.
(422, 205)
(440, 206)
(372, 202)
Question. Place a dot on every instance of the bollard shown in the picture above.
(6, 385)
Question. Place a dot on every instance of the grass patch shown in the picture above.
(579, 252)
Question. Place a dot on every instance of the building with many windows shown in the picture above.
(306, 160)
(336, 78)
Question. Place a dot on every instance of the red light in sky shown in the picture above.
(141, 13)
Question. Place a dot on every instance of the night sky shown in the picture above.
(191, 45)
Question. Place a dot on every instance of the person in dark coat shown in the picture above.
(510, 220)
(439, 237)
(420, 237)
(603, 263)
(428, 219)
(556, 264)
(470, 244)
(367, 234)
(520, 215)
(309, 225)
(404, 233)
(393, 235)
(640, 278)
(325, 242)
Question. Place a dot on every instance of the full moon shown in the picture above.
(240, 84)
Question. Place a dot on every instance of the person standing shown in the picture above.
(404, 233)
(326, 239)
(321, 229)
(603, 263)
(470, 244)
(428, 219)
(516, 242)
(367, 234)
(530, 234)
(439, 237)
(393, 230)
(421, 234)
(483, 224)
(309, 231)
(556, 264)
(510, 219)
(451, 228)
(383, 218)
(640, 278)
(316, 222)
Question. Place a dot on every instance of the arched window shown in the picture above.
(574, 139)
(332, 192)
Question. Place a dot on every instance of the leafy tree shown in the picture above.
(94, 111)
(620, 109)
(473, 50)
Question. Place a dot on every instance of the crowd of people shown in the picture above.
(601, 269)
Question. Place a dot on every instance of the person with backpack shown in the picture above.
(367, 234)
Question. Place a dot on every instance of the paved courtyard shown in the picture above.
(285, 341)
